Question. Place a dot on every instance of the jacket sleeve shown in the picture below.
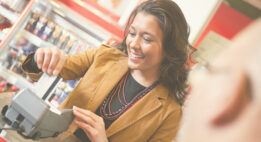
(168, 129)
(75, 65)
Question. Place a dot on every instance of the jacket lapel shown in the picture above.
(149, 103)
(110, 79)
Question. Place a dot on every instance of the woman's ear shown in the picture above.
(237, 98)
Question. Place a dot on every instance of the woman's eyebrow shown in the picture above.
(151, 35)
(143, 33)
(132, 27)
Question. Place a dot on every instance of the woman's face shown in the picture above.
(144, 43)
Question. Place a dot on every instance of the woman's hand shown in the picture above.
(92, 124)
(50, 60)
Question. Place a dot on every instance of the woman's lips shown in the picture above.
(135, 57)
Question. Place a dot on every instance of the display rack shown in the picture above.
(22, 18)
(15, 79)
(104, 18)
(19, 20)
(36, 40)
(80, 34)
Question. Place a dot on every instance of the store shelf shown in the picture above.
(97, 24)
(15, 79)
(36, 40)
(83, 29)
(8, 14)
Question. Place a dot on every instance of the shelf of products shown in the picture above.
(62, 91)
(95, 15)
(47, 24)
(35, 39)
(83, 29)
(15, 79)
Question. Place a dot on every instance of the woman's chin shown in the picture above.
(133, 66)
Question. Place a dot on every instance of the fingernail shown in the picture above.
(39, 66)
(74, 107)
(55, 72)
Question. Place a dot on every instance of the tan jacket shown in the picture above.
(153, 118)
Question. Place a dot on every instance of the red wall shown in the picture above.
(226, 22)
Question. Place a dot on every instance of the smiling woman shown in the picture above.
(135, 95)
(144, 47)
(159, 28)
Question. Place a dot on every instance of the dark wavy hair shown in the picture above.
(174, 67)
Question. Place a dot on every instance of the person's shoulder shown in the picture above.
(110, 50)
(168, 99)
(105, 46)
(108, 47)
(171, 106)
(173, 103)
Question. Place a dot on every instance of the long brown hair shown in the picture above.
(174, 68)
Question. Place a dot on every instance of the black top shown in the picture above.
(132, 88)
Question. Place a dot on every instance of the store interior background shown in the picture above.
(78, 25)
(84, 24)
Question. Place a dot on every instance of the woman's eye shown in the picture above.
(147, 39)
(132, 34)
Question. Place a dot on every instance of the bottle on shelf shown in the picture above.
(63, 40)
(48, 31)
(32, 22)
(69, 45)
(40, 26)
(56, 35)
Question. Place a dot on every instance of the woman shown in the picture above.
(132, 96)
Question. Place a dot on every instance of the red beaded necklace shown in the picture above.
(109, 115)
(118, 90)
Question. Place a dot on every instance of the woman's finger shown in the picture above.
(87, 113)
(54, 61)
(47, 59)
(92, 124)
(84, 118)
(60, 64)
(88, 129)
(39, 56)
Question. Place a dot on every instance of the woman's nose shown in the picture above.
(135, 43)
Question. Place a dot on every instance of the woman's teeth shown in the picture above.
(136, 56)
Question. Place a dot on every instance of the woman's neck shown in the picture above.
(145, 78)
